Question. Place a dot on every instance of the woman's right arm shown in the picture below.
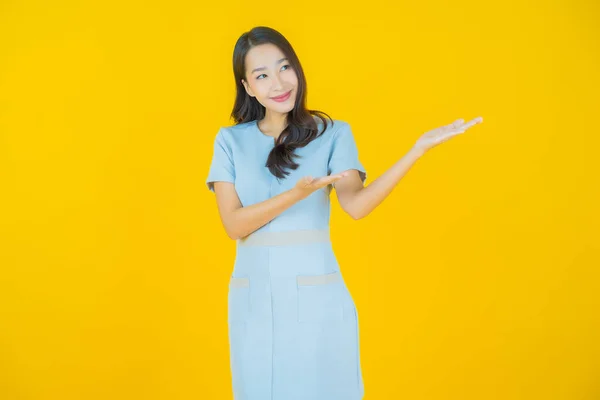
(240, 221)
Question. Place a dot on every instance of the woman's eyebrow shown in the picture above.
(263, 68)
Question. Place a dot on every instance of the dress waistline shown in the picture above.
(270, 238)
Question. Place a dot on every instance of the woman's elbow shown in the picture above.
(356, 217)
(232, 234)
(353, 213)
(231, 230)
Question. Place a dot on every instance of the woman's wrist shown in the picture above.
(417, 151)
(296, 194)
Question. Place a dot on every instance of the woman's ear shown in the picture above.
(248, 90)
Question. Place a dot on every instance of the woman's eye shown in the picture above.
(287, 65)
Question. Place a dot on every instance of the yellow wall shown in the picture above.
(476, 279)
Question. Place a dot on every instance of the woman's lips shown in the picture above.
(283, 97)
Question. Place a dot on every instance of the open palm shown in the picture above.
(439, 135)
(309, 184)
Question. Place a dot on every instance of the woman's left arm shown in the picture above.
(359, 201)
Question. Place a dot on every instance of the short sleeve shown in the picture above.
(344, 153)
(221, 166)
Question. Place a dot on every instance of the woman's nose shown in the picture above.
(277, 83)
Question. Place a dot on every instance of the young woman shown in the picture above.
(293, 325)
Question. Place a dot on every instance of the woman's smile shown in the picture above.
(282, 98)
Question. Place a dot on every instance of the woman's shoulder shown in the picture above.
(331, 128)
(240, 131)
(235, 132)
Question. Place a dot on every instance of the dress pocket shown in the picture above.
(320, 297)
(238, 299)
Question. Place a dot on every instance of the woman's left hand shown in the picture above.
(443, 133)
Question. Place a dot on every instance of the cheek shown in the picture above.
(294, 79)
(261, 90)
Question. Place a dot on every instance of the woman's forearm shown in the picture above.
(246, 220)
(368, 198)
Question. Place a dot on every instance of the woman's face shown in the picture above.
(269, 74)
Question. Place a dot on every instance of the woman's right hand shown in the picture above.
(306, 185)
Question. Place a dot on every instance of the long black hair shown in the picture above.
(302, 127)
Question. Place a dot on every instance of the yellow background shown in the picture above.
(477, 278)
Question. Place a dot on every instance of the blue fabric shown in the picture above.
(221, 167)
(344, 153)
(289, 341)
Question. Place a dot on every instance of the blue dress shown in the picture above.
(292, 323)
